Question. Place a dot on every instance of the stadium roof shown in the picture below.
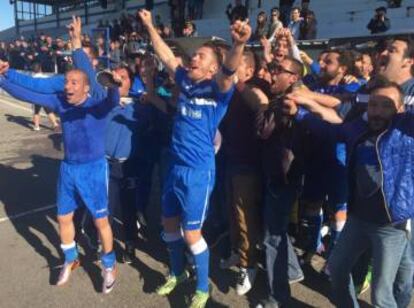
(54, 2)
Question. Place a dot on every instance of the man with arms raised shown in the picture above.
(205, 91)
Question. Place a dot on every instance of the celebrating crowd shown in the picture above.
(291, 142)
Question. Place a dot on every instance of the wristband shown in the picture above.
(226, 71)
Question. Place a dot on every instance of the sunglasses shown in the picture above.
(278, 69)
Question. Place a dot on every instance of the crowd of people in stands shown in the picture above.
(292, 143)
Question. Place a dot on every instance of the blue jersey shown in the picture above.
(200, 108)
(83, 126)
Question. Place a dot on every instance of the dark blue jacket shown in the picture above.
(395, 150)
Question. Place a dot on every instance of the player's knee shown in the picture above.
(65, 219)
(102, 223)
(192, 237)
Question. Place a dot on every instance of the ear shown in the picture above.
(408, 62)
(87, 88)
(213, 69)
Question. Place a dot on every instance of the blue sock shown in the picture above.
(108, 259)
(70, 251)
(176, 252)
(201, 255)
(175, 245)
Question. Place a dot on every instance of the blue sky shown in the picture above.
(7, 15)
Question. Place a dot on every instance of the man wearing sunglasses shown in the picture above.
(282, 178)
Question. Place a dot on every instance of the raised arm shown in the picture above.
(240, 32)
(162, 50)
(49, 85)
(81, 60)
(50, 101)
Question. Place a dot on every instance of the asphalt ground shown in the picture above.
(29, 242)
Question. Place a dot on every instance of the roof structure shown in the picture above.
(53, 2)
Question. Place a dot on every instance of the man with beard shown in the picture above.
(319, 180)
(381, 181)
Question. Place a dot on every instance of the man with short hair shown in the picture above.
(295, 22)
(242, 150)
(205, 92)
(380, 197)
(282, 180)
(84, 169)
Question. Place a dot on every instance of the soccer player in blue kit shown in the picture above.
(83, 171)
(205, 92)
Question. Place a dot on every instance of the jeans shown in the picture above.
(282, 263)
(389, 253)
(403, 286)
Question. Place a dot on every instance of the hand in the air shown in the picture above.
(241, 31)
(146, 17)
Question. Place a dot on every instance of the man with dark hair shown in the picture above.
(84, 169)
(380, 197)
(238, 12)
(205, 92)
(243, 180)
(281, 170)
(396, 63)
(380, 22)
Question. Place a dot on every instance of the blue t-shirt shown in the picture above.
(200, 108)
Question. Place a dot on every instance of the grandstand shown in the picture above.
(336, 18)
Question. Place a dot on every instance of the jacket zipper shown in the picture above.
(382, 175)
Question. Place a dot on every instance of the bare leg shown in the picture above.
(105, 234)
(66, 228)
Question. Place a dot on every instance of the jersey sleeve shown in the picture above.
(49, 85)
(50, 101)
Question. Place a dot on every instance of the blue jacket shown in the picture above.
(395, 150)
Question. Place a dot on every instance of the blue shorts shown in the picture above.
(186, 193)
(87, 183)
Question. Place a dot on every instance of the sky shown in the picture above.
(7, 15)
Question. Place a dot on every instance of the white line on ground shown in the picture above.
(40, 209)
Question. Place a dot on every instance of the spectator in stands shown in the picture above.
(295, 23)
(309, 27)
(261, 26)
(189, 29)
(394, 3)
(115, 53)
(3, 51)
(37, 70)
(285, 9)
(44, 56)
(364, 67)
(238, 12)
(380, 22)
(274, 25)
(116, 30)
(304, 11)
